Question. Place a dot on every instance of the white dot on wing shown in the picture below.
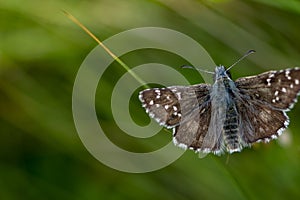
(273, 136)
(266, 140)
(269, 81)
(174, 108)
(287, 74)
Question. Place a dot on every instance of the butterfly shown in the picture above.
(228, 115)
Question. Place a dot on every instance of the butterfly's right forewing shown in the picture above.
(186, 109)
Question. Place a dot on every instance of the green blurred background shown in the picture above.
(41, 155)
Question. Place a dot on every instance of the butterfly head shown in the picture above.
(221, 73)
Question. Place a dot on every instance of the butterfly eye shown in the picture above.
(228, 74)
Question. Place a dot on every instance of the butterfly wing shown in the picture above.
(186, 109)
(263, 101)
(162, 104)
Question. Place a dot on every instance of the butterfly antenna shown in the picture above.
(200, 70)
(244, 56)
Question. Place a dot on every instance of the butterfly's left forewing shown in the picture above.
(262, 102)
(278, 89)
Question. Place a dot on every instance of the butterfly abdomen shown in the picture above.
(231, 123)
(231, 129)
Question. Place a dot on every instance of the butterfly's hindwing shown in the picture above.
(260, 122)
(196, 109)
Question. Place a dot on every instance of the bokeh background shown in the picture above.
(41, 155)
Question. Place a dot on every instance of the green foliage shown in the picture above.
(41, 155)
